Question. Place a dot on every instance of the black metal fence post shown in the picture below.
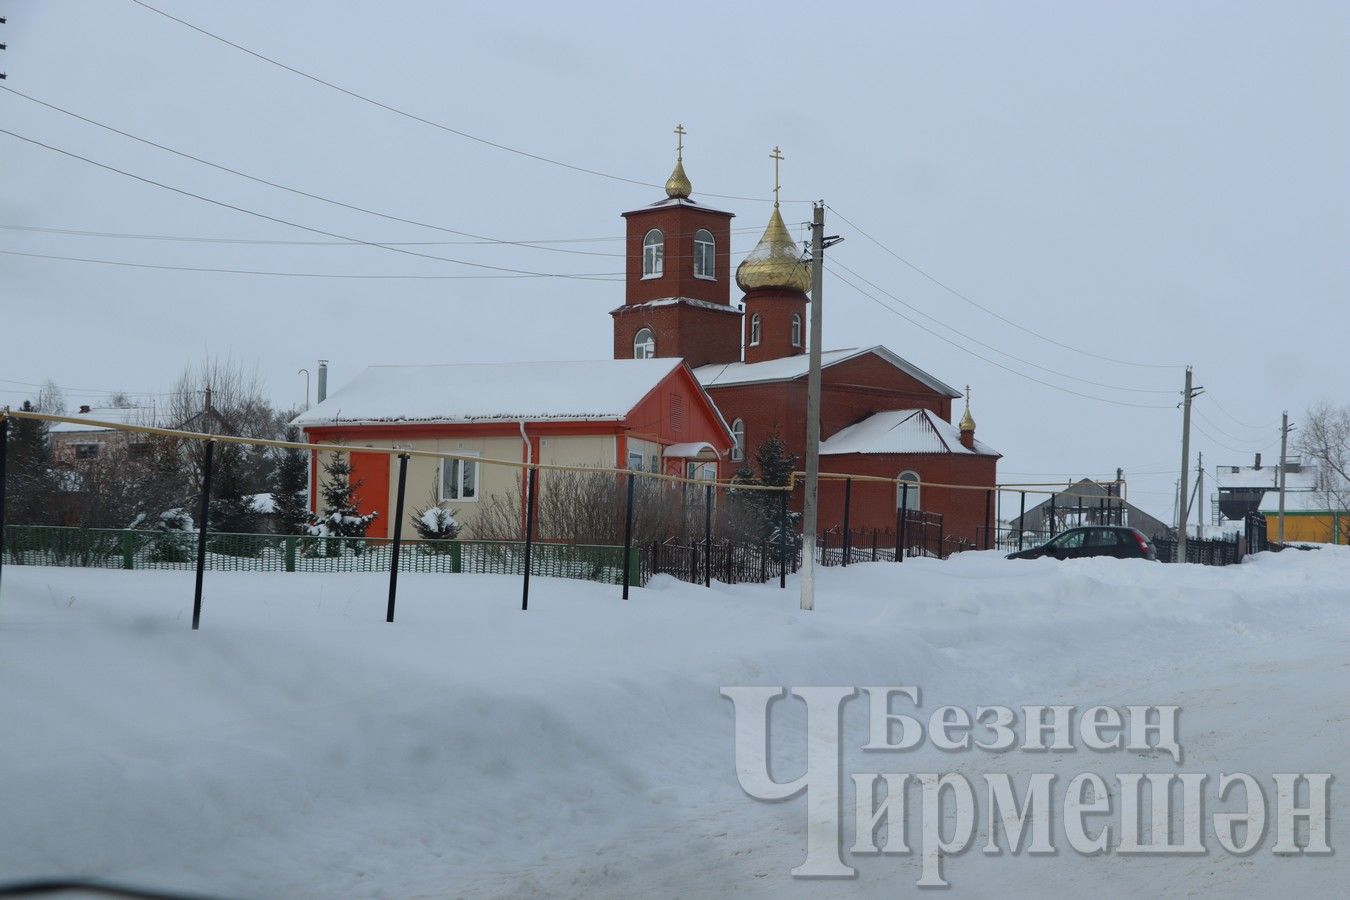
(848, 505)
(874, 545)
(708, 536)
(1022, 521)
(988, 517)
(529, 538)
(899, 534)
(628, 537)
(4, 462)
(904, 520)
(201, 536)
(398, 535)
(783, 538)
(942, 527)
(1052, 516)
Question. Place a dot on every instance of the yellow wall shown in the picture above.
(1319, 528)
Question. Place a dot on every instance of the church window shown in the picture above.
(705, 254)
(910, 496)
(796, 330)
(754, 329)
(738, 435)
(653, 254)
(644, 344)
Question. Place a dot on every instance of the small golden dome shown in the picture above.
(775, 262)
(677, 185)
(967, 421)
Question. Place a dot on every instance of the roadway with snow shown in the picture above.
(298, 746)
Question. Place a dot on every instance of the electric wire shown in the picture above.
(975, 340)
(955, 293)
(281, 221)
(432, 123)
(994, 363)
(614, 276)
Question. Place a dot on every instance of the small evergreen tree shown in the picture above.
(776, 466)
(340, 516)
(232, 511)
(436, 523)
(289, 488)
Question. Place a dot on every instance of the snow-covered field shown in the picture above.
(298, 746)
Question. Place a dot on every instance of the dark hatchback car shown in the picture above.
(1122, 543)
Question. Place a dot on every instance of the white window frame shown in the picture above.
(636, 460)
(705, 255)
(914, 489)
(93, 448)
(465, 466)
(698, 470)
(648, 346)
(738, 438)
(756, 328)
(796, 329)
(653, 254)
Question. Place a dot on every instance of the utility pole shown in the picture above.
(1285, 428)
(809, 505)
(1183, 489)
(1200, 495)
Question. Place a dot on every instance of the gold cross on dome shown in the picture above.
(679, 145)
(777, 157)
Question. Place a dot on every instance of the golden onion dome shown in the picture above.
(775, 262)
(967, 421)
(677, 185)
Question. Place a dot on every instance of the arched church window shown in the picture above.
(796, 330)
(908, 495)
(653, 254)
(644, 344)
(705, 254)
(754, 329)
(738, 434)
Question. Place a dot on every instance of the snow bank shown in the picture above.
(299, 746)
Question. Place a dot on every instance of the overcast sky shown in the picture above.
(1155, 183)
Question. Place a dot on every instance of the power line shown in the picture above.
(1223, 410)
(1229, 448)
(618, 276)
(1240, 440)
(282, 187)
(425, 121)
(910, 306)
(955, 293)
(40, 229)
(281, 221)
(991, 362)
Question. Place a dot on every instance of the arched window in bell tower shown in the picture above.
(653, 254)
(644, 344)
(796, 330)
(754, 330)
(705, 254)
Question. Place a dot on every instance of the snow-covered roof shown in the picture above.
(120, 415)
(679, 301)
(481, 392)
(789, 368)
(1266, 476)
(901, 431)
(1298, 502)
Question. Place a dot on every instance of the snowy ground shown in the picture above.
(298, 746)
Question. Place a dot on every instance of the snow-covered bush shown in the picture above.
(340, 517)
(173, 540)
(436, 523)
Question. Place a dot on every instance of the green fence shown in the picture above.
(106, 548)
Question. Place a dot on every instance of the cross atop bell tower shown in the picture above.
(777, 157)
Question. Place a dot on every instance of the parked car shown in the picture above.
(1096, 540)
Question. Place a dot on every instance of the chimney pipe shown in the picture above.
(323, 380)
(1258, 462)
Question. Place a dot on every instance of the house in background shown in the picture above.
(1316, 516)
(1094, 511)
(648, 414)
(76, 442)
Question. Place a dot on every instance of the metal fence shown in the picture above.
(730, 562)
(176, 550)
(1207, 552)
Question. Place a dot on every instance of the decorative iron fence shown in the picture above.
(921, 534)
(730, 562)
(1208, 551)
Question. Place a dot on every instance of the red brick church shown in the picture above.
(880, 415)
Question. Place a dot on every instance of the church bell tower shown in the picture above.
(677, 290)
(775, 281)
